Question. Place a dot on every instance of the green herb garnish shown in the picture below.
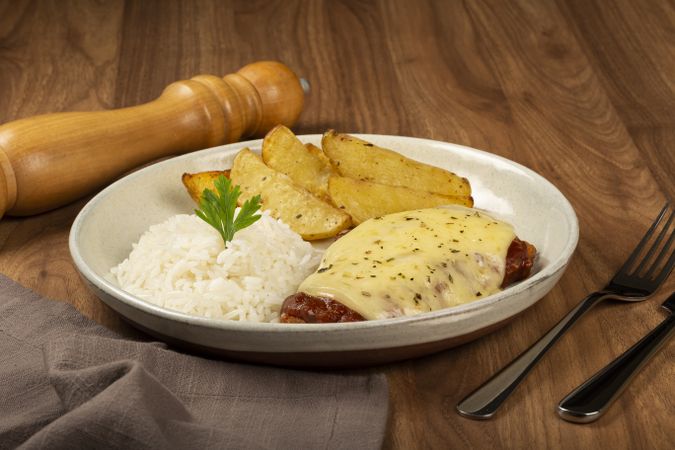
(218, 209)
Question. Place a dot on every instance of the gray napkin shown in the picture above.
(67, 382)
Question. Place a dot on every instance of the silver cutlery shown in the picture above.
(633, 282)
(591, 399)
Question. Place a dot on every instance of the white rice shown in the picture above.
(182, 264)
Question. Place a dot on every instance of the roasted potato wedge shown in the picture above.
(363, 200)
(316, 151)
(195, 183)
(361, 160)
(307, 215)
(283, 151)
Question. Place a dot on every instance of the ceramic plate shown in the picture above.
(103, 232)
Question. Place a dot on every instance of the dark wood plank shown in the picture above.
(445, 87)
(635, 74)
(57, 57)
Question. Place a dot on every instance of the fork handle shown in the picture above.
(484, 401)
(591, 399)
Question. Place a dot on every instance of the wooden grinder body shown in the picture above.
(50, 160)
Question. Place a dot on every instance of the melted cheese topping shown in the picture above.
(415, 261)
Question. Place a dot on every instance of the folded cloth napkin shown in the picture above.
(67, 382)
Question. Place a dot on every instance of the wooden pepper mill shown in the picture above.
(50, 160)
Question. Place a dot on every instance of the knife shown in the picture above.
(588, 402)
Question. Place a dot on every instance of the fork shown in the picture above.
(633, 282)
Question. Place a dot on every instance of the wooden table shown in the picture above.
(581, 91)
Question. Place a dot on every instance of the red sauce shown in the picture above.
(519, 261)
(304, 308)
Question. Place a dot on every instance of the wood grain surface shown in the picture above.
(580, 91)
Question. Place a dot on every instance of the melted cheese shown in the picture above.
(412, 262)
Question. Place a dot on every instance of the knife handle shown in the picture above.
(50, 160)
(591, 399)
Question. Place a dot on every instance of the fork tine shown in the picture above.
(662, 253)
(631, 259)
(667, 269)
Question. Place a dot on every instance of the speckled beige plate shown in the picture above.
(103, 232)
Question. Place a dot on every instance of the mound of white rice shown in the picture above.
(182, 264)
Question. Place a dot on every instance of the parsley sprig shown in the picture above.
(218, 209)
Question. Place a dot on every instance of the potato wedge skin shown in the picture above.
(195, 183)
(283, 151)
(363, 200)
(307, 215)
(361, 160)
